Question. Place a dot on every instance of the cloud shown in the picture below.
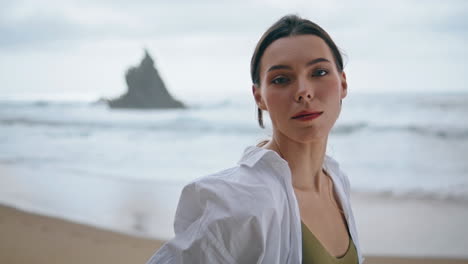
(37, 32)
(396, 44)
(32, 24)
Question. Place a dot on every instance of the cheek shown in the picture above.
(330, 90)
(276, 100)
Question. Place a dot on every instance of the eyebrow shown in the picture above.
(314, 61)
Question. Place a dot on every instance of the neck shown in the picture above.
(305, 161)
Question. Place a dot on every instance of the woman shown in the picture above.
(286, 201)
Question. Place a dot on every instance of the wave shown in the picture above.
(43, 103)
(200, 124)
(207, 104)
(456, 192)
(349, 128)
(180, 124)
(443, 133)
(417, 194)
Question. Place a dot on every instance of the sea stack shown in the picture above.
(146, 89)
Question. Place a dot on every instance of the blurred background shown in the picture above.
(402, 137)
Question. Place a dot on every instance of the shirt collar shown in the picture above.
(253, 154)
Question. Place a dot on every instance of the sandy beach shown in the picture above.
(32, 238)
(411, 227)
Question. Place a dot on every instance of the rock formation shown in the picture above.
(145, 89)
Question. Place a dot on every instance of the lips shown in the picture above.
(306, 115)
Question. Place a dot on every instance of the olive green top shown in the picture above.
(314, 252)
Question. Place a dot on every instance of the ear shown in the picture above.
(258, 97)
(344, 85)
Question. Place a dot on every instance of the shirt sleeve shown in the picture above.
(208, 229)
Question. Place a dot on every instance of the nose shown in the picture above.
(304, 91)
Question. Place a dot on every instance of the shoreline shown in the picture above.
(32, 238)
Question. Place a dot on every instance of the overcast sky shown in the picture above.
(81, 49)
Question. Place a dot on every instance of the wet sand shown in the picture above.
(31, 238)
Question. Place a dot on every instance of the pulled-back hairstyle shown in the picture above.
(287, 26)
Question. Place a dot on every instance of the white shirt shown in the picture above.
(246, 214)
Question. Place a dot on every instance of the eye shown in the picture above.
(280, 80)
(320, 72)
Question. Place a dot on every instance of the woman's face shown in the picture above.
(299, 74)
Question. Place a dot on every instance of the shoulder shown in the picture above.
(216, 215)
(238, 189)
(238, 193)
(219, 212)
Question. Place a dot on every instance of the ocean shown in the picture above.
(124, 169)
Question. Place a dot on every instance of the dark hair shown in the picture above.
(289, 25)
